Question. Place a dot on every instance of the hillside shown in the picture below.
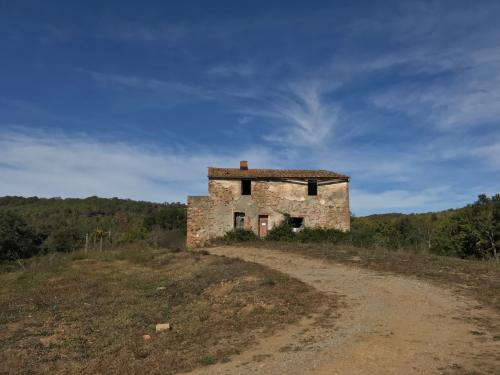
(57, 224)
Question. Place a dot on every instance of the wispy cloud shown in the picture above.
(309, 119)
(56, 164)
(468, 100)
(432, 199)
(490, 153)
(161, 89)
(306, 117)
(405, 100)
(448, 69)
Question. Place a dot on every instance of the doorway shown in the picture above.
(263, 224)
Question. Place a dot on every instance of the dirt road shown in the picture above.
(386, 325)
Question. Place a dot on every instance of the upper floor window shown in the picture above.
(246, 187)
(312, 187)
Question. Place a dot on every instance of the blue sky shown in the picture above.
(135, 100)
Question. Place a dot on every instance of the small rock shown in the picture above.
(146, 337)
(163, 327)
(161, 288)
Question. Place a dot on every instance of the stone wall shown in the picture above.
(213, 216)
(197, 221)
(329, 209)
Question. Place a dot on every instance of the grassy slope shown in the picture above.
(87, 312)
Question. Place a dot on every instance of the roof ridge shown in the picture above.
(218, 172)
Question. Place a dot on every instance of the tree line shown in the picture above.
(31, 226)
(469, 232)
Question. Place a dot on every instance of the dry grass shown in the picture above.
(88, 312)
(475, 278)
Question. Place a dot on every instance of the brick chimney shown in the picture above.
(243, 165)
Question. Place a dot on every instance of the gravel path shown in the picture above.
(386, 325)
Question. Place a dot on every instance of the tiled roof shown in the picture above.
(273, 173)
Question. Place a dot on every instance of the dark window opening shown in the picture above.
(239, 220)
(312, 187)
(297, 223)
(246, 187)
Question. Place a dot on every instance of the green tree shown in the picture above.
(64, 239)
(483, 220)
(473, 231)
(17, 238)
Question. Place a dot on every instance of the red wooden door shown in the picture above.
(263, 223)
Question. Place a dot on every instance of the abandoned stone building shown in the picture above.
(258, 199)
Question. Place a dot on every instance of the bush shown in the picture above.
(207, 360)
(166, 238)
(240, 235)
(63, 239)
(473, 232)
(17, 238)
(282, 232)
(321, 235)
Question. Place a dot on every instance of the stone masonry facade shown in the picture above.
(314, 199)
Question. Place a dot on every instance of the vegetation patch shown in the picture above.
(32, 226)
(96, 312)
(239, 235)
(472, 232)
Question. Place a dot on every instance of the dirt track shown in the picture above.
(386, 325)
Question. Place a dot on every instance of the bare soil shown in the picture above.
(388, 324)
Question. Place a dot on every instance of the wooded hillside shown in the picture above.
(29, 226)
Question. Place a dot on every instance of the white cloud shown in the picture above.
(51, 164)
(448, 70)
(431, 199)
(310, 119)
(307, 118)
(58, 164)
(490, 153)
(468, 100)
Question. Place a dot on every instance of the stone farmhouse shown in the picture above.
(258, 199)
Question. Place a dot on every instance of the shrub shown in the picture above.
(17, 238)
(63, 239)
(473, 232)
(321, 235)
(268, 281)
(240, 235)
(282, 232)
(166, 238)
(207, 360)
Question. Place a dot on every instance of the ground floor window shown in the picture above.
(239, 220)
(297, 223)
